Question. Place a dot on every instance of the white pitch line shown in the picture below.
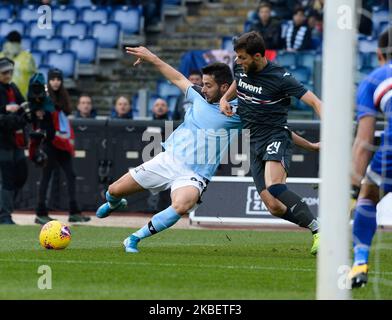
(157, 264)
(251, 267)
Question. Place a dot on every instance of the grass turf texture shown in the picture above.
(175, 264)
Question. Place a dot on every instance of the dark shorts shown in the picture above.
(278, 147)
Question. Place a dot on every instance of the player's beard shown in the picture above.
(213, 99)
(252, 67)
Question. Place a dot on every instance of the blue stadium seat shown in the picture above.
(36, 31)
(27, 43)
(64, 13)
(165, 89)
(48, 43)
(10, 25)
(85, 48)
(171, 102)
(361, 60)
(172, 2)
(63, 60)
(38, 57)
(378, 17)
(130, 19)
(44, 68)
(94, 14)
(5, 12)
(72, 29)
(286, 59)
(367, 45)
(247, 26)
(28, 13)
(135, 105)
(227, 43)
(107, 34)
(302, 74)
(384, 25)
(306, 59)
(81, 3)
(372, 60)
(317, 43)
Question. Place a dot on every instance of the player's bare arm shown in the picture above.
(362, 148)
(313, 101)
(171, 74)
(224, 101)
(305, 144)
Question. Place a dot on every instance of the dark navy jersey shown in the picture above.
(264, 98)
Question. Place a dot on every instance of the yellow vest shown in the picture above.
(23, 70)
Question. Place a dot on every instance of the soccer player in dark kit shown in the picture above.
(264, 89)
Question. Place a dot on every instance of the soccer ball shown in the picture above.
(55, 235)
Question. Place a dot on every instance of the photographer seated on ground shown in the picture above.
(13, 140)
(53, 145)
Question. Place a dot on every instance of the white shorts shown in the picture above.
(164, 172)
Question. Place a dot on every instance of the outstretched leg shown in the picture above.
(183, 200)
(124, 186)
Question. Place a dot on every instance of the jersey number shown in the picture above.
(273, 148)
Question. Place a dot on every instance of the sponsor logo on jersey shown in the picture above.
(250, 87)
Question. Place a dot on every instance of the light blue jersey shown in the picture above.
(202, 140)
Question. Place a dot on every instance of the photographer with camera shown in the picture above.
(52, 142)
(13, 140)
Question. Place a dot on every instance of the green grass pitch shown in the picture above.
(175, 264)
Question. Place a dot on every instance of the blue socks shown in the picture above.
(110, 198)
(364, 228)
(159, 222)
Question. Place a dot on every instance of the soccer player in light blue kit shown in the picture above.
(191, 154)
(372, 181)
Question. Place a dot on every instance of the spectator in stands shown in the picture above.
(269, 28)
(85, 107)
(317, 6)
(58, 146)
(298, 36)
(160, 110)
(13, 168)
(122, 108)
(315, 23)
(24, 62)
(182, 104)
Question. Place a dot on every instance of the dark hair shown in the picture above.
(252, 42)
(264, 5)
(14, 36)
(298, 9)
(60, 98)
(84, 95)
(221, 72)
(195, 72)
(385, 43)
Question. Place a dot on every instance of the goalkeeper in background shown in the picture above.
(372, 176)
